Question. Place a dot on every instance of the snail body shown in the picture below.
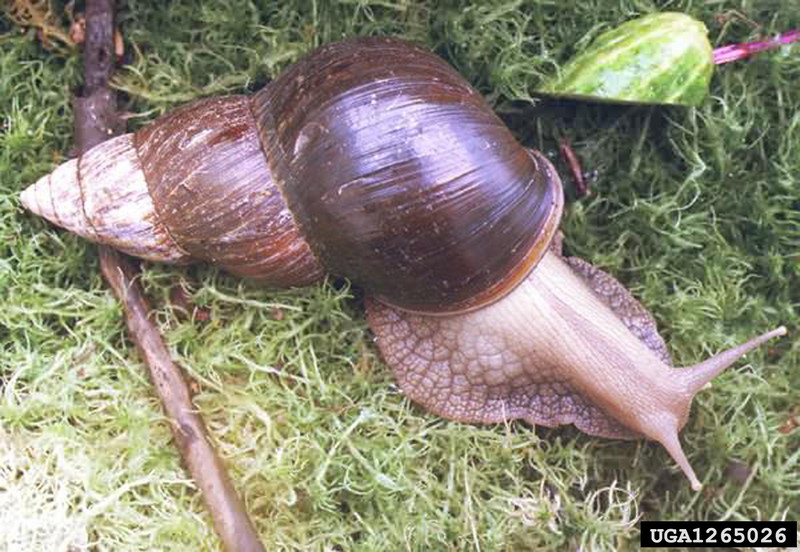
(374, 160)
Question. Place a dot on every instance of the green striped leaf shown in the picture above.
(661, 58)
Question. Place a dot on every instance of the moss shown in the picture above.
(695, 210)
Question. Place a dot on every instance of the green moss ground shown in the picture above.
(695, 210)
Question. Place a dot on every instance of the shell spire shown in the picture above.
(192, 186)
(102, 196)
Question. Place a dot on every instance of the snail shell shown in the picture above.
(371, 158)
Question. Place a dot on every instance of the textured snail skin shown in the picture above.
(554, 351)
(374, 160)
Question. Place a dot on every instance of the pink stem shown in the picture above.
(733, 52)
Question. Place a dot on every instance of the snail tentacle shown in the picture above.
(696, 377)
(551, 352)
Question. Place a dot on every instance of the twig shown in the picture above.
(582, 184)
(96, 120)
(734, 52)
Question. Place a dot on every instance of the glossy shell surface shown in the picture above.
(403, 179)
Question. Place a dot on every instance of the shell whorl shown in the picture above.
(403, 179)
(194, 185)
(211, 186)
(102, 196)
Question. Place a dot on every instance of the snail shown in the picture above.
(374, 160)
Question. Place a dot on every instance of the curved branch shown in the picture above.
(96, 120)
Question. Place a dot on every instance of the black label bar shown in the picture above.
(697, 534)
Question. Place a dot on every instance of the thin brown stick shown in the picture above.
(582, 185)
(227, 511)
(96, 120)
